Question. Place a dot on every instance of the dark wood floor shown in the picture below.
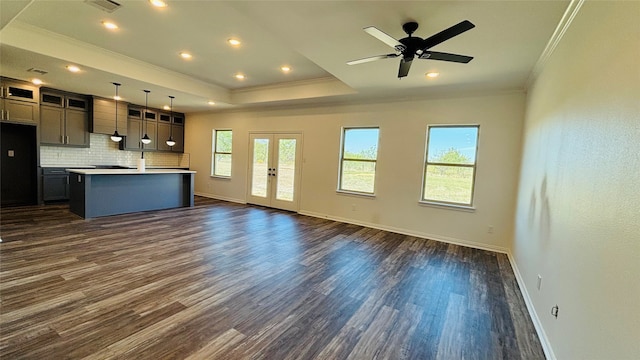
(229, 281)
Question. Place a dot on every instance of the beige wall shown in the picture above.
(578, 212)
(399, 170)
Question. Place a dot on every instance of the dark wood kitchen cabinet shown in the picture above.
(171, 126)
(64, 119)
(55, 184)
(137, 126)
(103, 119)
(19, 101)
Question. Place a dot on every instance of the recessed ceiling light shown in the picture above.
(234, 42)
(109, 25)
(158, 3)
(73, 68)
(211, 103)
(36, 81)
(239, 76)
(285, 69)
(166, 107)
(432, 74)
(186, 55)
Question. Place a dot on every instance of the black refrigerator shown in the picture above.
(19, 166)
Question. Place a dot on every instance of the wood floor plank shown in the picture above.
(229, 281)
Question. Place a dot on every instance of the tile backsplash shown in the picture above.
(103, 151)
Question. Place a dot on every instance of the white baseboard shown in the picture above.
(542, 335)
(223, 198)
(419, 234)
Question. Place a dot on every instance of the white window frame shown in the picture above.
(450, 204)
(342, 159)
(214, 152)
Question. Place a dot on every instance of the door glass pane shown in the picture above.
(286, 169)
(260, 166)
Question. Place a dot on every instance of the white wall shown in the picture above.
(578, 211)
(399, 170)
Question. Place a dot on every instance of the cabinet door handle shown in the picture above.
(67, 179)
(67, 140)
(8, 118)
(2, 114)
(61, 140)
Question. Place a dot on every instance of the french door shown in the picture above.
(274, 170)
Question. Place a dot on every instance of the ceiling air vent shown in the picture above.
(41, 72)
(105, 5)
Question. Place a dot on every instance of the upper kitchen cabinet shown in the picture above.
(171, 126)
(177, 128)
(103, 120)
(139, 123)
(64, 119)
(164, 131)
(19, 101)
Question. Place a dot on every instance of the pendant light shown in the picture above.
(170, 141)
(116, 137)
(145, 139)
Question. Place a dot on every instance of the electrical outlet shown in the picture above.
(539, 284)
(554, 311)
(490, 229)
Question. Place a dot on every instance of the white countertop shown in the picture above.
(128, 171)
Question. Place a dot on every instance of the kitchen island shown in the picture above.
(103, 192)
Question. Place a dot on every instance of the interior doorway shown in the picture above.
(274, 170)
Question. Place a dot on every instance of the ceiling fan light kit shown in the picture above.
(410, 47)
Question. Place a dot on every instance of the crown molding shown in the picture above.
(566, 20)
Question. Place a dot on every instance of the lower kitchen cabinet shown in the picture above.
(55, 184)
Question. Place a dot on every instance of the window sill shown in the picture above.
(355, 193)
(220, 177)
(447, 206)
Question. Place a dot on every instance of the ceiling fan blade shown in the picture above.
(434, 55)
(372, 58)
(447, 34)
(405, 65)
(385, 38)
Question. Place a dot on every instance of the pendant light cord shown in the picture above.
(116, 99)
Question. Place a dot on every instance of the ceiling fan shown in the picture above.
(411, 46)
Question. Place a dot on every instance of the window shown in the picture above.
(358, 160)
(221, 158)
(450, 165)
